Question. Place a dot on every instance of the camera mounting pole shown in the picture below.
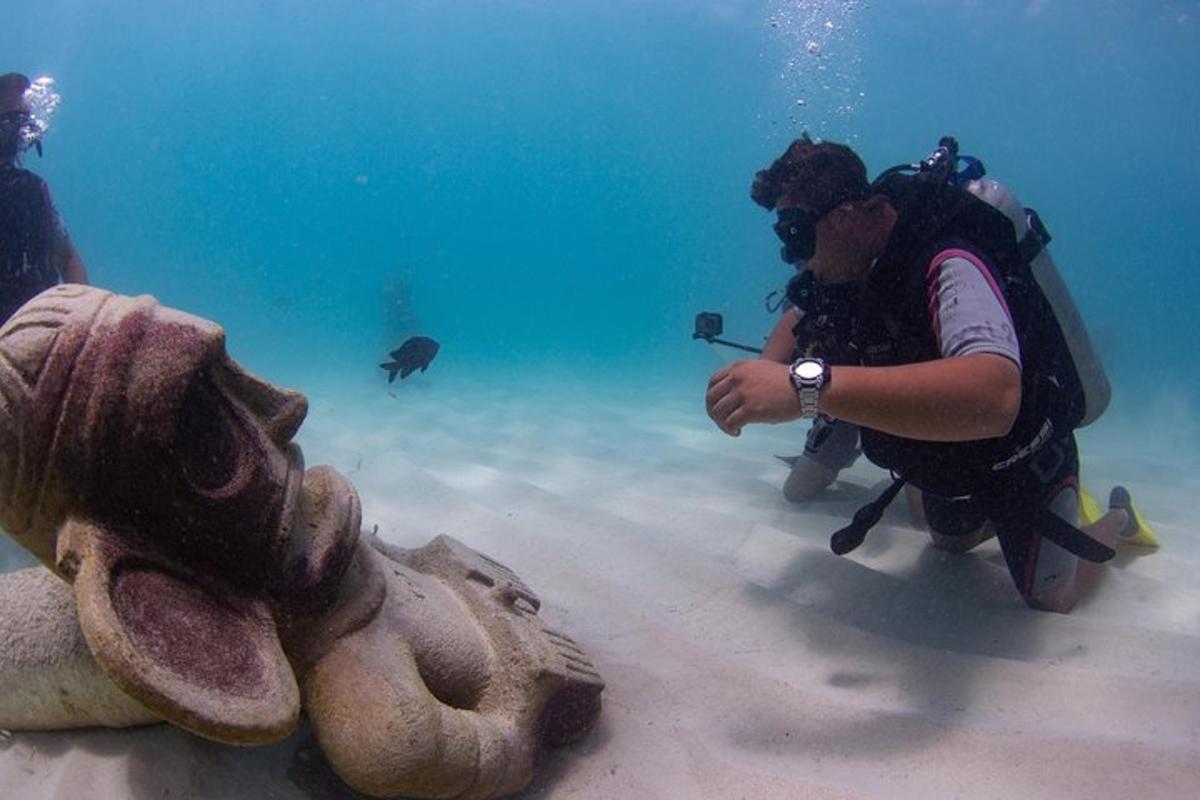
(709, 327)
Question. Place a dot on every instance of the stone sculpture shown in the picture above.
(224, 588)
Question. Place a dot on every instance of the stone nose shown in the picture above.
(281, 411)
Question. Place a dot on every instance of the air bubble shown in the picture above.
(43, 102)
(821, 48)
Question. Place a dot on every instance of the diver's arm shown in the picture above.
(782, 342)
(962, 398)
(955, 399)
(972, 392)
(68, 262)
(63, 255)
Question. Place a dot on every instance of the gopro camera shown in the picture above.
(708, 326)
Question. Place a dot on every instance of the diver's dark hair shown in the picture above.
(819, 175)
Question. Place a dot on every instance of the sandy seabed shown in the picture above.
(742, 658)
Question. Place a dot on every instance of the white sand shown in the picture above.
(743, 659)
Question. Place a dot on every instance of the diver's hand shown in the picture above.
(749, 391)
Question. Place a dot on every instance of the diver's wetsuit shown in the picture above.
(952, 282)
(30, 231)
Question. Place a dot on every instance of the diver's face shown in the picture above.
(811, 239)
(838, 239)
(835, 259)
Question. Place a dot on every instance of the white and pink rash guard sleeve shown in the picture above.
(967, 307)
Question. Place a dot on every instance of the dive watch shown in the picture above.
(809, 376)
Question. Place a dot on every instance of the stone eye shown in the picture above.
(207, 442)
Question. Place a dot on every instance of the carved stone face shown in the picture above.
(138, 460)
(242, 495)
(138, 420)
(210, 472)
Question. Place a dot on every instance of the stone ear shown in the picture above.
(202, 657)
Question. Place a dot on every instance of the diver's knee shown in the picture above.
(962, 542)
(806, 480)
(955, 544)
(1059, 601)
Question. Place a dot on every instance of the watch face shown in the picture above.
(808, 370)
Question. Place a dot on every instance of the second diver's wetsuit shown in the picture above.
(30, 230)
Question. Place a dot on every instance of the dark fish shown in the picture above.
(414, 354)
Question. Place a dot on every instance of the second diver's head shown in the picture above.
(12, 92)
(15, 117)
(825, 208)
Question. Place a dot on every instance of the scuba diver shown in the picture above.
(35, 249)
(964, 385)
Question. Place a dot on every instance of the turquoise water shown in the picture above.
(562, 185)
(552, 189)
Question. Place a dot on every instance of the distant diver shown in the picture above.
(414, 354)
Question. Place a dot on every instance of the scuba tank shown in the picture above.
(1033, 238)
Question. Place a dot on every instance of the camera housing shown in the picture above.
(708, 326)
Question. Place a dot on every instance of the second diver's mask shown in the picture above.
(30, 106)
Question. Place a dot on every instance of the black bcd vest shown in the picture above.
(26, 239)
(894, 326)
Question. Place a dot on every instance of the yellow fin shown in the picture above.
(1140, 534)
(1089, 509)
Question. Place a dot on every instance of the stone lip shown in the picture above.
(321, 522)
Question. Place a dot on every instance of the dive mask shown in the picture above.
(29, 106)
(797, 229)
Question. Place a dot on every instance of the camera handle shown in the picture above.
(715, 340)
